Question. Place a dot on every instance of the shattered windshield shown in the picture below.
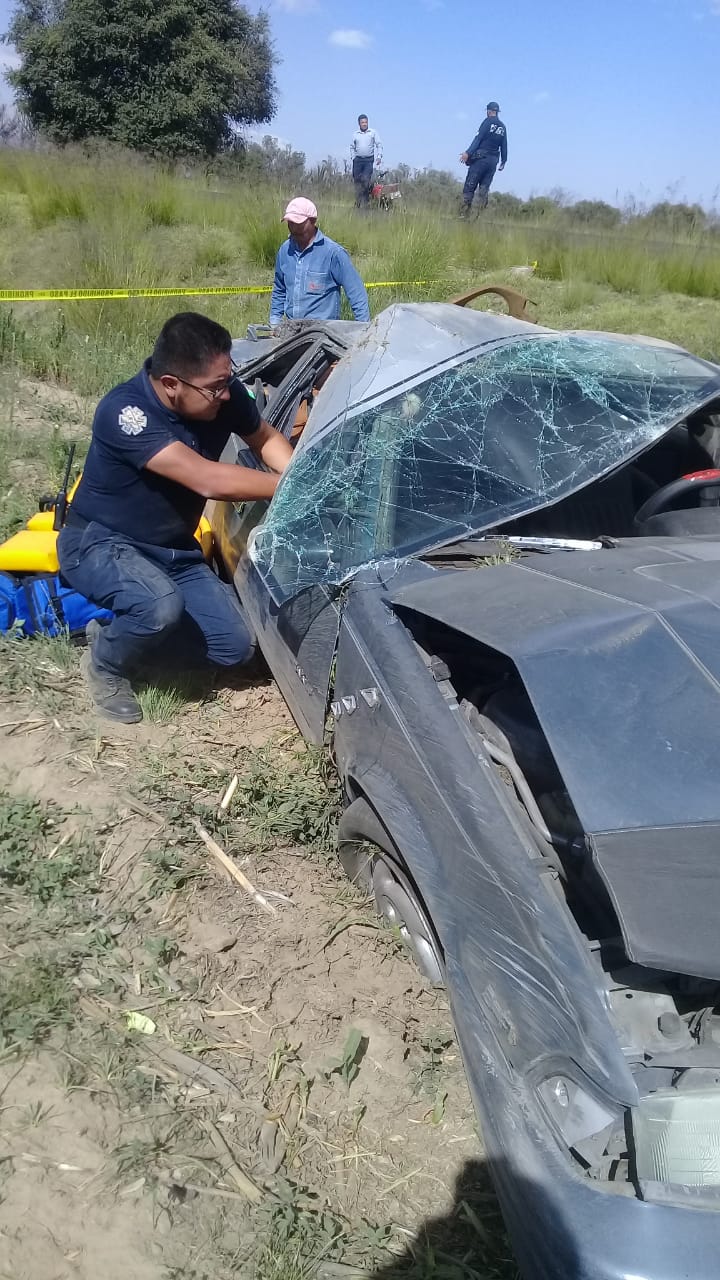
(491, 438)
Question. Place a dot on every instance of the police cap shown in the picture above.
(492, 106)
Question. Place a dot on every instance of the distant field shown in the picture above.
(70, 221)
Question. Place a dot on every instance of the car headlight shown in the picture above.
(677, 1137)
(575, 1112)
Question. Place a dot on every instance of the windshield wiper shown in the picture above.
(555, 544)
(495, 547)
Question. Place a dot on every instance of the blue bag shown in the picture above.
(8, 587)
(40, 604)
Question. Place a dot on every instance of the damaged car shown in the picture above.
(493, 569)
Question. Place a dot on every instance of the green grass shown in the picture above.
(293, 798)
(28, 863)
(262, 241)
(46, 879)
(37, 669)
(36, 997)
(161, 703)
(24, 825)
(115, 219)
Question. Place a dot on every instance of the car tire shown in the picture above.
(361, 837)
(372, 862)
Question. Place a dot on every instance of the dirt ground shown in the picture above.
(217, 1089)
(192, 1086)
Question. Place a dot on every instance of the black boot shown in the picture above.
(112, 695)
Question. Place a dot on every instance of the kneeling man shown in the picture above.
(128, 541)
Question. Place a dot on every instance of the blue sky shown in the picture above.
(606, 100)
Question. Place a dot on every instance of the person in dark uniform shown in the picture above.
(128, 541)
(487, 147)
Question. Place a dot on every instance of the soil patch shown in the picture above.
(216, 1090)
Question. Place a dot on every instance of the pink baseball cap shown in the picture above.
(299, 209)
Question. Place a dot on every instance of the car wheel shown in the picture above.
(372, 862)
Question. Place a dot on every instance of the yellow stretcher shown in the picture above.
(34, 548)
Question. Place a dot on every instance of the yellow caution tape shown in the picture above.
(102, 295)
(393, 284)
(93, 295)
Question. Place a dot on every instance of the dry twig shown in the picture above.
(230, 1167)
(233, 869)
(196, 1072)
(229, 793)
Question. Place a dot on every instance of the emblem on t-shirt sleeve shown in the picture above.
(132, 420)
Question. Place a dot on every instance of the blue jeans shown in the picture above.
(168, 604)
(362, 177)
(480, 174)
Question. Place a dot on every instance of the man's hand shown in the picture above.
(501, 167)
(270, 446)
(464, 159)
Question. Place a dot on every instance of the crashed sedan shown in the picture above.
(493, 569)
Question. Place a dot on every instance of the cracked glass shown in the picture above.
(464, 450)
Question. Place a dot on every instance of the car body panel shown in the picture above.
(298, 640)
(469, 859)
(633, 628)
(497, 919)
(616, 649)
(562, 1226)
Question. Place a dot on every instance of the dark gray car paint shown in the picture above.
(526, 997)
(563, 1226)
(492, 905)
(621, 663)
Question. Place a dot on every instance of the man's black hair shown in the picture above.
(187, 343)
(363, 117)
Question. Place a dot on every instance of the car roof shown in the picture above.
(405, 343)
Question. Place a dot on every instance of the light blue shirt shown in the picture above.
(366, 145)
(308, 282)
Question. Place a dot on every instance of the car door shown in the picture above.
(277, 381)
(297, 638)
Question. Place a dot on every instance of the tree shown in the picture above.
(677, 218)
(505, 204)
(277, 160)
(595, 212)
(170, 78)
(435, 186)
(14, 131)
(540, 207)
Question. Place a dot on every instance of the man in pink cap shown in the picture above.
(310, 271)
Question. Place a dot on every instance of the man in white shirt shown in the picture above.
(366, 152)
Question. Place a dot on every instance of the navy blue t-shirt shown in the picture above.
(490, 139)
(130, 426)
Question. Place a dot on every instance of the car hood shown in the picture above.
(619, 652)
(440, 423)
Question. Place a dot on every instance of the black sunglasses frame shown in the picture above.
(211, 393)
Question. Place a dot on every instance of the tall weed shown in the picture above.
(417, 253)
(262, 241)
(113, 219)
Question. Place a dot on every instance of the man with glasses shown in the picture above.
(128, 541)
